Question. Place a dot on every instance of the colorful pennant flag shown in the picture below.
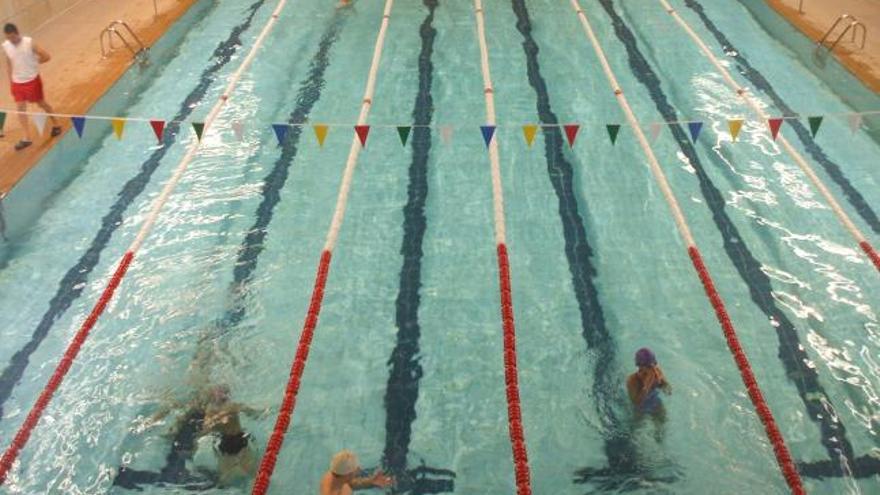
(403, 131)
(488, 132)
(613, 131)
(775, 125)
(39, 120)
(571, 132)
(815, 124)
(199, 127)
(118, 127)
(238, 130)
(281, 131)
(362, 132)
(446, 134)
(695, 128)
(654, 130)
(735, 126)
(320, 133)
(158, 129)
(79, 125)
(2, 120)
(529, 132)
(855, 121)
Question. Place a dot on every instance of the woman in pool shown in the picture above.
(644, 386)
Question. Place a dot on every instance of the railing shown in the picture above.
(823, 48)
(801, 7)
(129, 40)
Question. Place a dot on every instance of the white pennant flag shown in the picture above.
(855, 121)
(238, 129)
(39, 120)
(654, 130)
(446, 134)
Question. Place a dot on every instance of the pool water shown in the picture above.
(406, 366)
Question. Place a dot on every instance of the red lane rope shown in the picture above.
(514, 411)
(270, 457)
(872, 254)
(33, 417)
(783, 457)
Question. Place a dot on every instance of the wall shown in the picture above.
(29, 14)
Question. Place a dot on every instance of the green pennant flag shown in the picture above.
(403, 132)
(2, 120)
(613, 131)
(815, 124)
(199, 127)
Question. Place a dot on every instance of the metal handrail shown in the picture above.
(801, 7)
(822, 45)
(108, 33)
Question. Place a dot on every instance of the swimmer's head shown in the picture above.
(645, 358)
(219, 393)
(344, 464)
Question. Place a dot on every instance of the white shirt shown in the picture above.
(25, 65)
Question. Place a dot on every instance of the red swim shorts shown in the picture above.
(31, 91)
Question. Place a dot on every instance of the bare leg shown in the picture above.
(49, 110)
(21, 106)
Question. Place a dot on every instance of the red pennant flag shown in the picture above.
(571, 132)
(158, 128)
(362, 132)
(775, 124)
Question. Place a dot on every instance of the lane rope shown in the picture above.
(783, 457)
(24, 432)
(511, 380)
(752, 103)
(288, 404)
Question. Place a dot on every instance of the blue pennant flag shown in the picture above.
(488, 131)
(695, 128)
(79, 123)
(281, 132)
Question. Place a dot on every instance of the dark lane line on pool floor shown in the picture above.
(74, 281)
(758, 80)
(183, 446)
(402, 391)
(620, 450)
(791, 352)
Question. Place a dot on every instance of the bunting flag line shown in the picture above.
(855, 121)
(654, 130)
(281, 132)
(403, 132)
(571, 132)
(362, 131)
(613, 131)
(529, 132)
(199, 127)
(79, 125)
(2, 120)
(775, 125)
(815, 124)
(118, 127)
(39, 120)
(735, 126)
(158, 129)
(695, 128)
(238, 130)
(488, 132)
(446, 134)
(320, 133)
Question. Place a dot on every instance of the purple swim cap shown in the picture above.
(645, 358)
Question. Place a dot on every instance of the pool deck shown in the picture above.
(818, 17)
(77, 77)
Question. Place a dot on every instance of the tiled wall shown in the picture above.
(28, 14)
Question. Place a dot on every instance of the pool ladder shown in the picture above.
(129, 39)
(825, 46)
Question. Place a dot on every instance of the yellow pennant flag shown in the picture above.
(735, 126)
(118, 126)
(529, 132)
(321, 133)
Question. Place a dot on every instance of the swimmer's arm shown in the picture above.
(632, 389)
(377, 480)
(664, 383)
(252, 412)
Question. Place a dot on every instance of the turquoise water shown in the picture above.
(636, 273)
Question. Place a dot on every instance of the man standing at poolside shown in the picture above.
(23, 59)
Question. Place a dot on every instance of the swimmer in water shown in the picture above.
(644, 388)
(343, 3)
(342, 478)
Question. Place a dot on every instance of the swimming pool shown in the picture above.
(406, 365)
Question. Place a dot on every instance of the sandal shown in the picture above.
(56, 131)
(22, 145)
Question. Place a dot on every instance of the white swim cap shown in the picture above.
(345, 462)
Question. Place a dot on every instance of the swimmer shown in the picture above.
(343, 3)
(342, 478)
(644, 387)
